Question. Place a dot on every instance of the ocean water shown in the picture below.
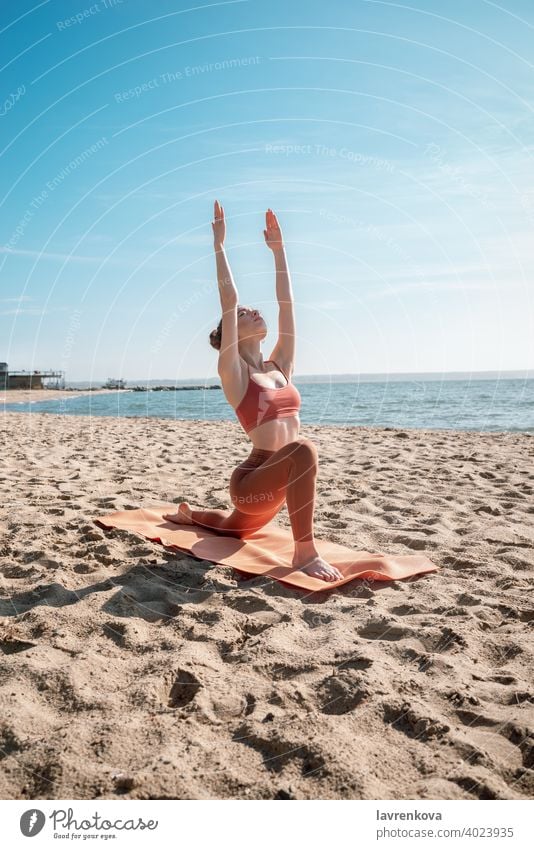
(475, 404)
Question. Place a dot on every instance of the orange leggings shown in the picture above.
(261, 485)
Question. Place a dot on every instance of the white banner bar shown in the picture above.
(204, 824)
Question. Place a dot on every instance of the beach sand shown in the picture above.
(130, 671)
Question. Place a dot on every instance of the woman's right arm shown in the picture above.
(229, 367)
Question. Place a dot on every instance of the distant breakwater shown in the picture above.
(168, 388)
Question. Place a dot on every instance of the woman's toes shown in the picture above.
(329, 574)
(319, 568)
(184, 511)
(182, 515)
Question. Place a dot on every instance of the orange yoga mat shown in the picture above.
(268, 552)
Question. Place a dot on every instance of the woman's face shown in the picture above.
(250, 323)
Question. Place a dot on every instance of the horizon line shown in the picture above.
(522, 371)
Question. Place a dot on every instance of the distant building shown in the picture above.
(30, 379)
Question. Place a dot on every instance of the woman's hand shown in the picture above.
(219, 225)
(225, 281)
(273, 233)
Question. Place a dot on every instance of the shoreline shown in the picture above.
(304, 426)
(23, 396)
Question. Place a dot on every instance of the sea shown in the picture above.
(474, 402)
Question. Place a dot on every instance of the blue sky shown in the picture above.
(393, 141)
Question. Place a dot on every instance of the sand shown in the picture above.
(129, 671)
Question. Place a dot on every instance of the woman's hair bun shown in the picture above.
(215, 337)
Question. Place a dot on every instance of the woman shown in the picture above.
(282, 467)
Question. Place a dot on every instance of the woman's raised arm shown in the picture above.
(229, 362)
(284, 350)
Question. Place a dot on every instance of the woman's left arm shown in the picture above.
(284, 350)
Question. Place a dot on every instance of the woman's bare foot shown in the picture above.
(182, 515)
(319, 568)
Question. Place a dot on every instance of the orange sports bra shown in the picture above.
(261, 405)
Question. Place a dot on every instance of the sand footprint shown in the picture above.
(115, 631)
(12, 645)
(356, 662)
(384, 629)
(248, 603)
(183, 688)
(413, 720)
(341, 693)
(278, 752)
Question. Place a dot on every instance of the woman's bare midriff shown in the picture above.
(275, 434)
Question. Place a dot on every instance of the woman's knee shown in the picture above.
(303, 452)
